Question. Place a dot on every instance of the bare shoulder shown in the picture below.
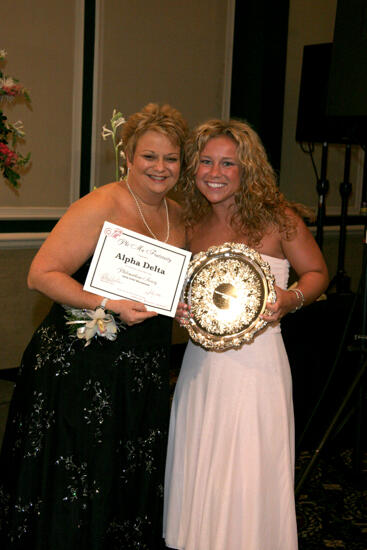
(176, 211)
(300, 229)
(104, 197)
(174, 206)
(301, 249)
(178, 230)
(83, 221)
(293, 215)
(99, 203)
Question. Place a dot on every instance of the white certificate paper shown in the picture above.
(128, 265)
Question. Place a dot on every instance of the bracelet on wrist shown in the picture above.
(102, 305)
(300, 297)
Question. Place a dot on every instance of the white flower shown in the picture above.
(17, 129)
(118, 122)
(3, 54)
(106, 132)
(6, 82)
(117, 119)
(18, 125)
(95, 323)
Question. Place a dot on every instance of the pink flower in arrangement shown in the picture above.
(9, 91)
(9, 87)
(11, 162)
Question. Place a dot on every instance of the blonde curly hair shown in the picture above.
(161, 118)
(259, 204)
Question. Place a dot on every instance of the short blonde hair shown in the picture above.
(163, 119)
(259, 204)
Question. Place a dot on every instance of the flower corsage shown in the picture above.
(94, 323)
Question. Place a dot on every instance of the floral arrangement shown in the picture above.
(116, 121)
(95, 323)
(11, 160)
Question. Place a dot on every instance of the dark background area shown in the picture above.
(258, 69)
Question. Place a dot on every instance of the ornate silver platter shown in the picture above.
(227, 288)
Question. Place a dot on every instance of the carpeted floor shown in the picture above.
(331, 505)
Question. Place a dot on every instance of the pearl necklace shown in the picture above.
(142, 215)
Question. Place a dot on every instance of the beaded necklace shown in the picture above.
(142, 215)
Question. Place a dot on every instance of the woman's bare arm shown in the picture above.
(305, 257)
(68, 246)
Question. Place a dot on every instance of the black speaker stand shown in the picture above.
(358, 385)
(322, 190)
(341, 280)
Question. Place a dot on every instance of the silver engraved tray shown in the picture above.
(227, 288)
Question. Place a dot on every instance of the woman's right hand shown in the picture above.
(131, 313)
(182, 313)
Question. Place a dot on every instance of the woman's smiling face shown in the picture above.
(219, 175)
(156, 163)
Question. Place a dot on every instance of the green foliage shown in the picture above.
(11, 161)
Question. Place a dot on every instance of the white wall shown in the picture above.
(42, 39)
(169, 52)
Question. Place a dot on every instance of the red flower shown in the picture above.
(7, 156)
(13, 90)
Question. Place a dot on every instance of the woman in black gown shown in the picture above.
(83, 454)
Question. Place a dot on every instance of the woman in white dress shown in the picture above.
(230, 462)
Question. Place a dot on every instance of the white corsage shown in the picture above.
(94, 323)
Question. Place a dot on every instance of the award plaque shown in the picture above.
(227, 288)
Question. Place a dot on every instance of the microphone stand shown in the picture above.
(322, 190)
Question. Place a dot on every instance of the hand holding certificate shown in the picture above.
(128, 265)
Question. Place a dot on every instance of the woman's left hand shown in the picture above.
(286, 301)
(182, 314)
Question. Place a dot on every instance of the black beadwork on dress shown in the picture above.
(82, 461)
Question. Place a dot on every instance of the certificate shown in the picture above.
(128, 265)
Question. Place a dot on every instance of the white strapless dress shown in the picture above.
(230, 460)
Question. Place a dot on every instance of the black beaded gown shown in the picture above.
(82, 461)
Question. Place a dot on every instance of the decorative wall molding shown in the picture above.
(21, 240)
(32, 213)
(34, 240)
(351, 229)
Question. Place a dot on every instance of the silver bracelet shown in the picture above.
(102, 305)
(300, 297)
